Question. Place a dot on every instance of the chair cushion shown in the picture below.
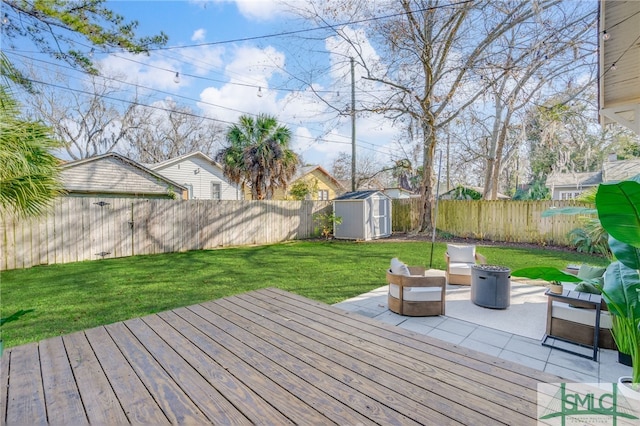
(461, 253)
(398, 267)
(563, 311)
(588, 272)
(417, 294)
(587, 288)
(460, 268)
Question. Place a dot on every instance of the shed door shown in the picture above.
(380, 217)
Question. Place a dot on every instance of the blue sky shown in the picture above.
(221, 74)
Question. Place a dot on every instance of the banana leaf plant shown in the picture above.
(618, 208)
(546, 273)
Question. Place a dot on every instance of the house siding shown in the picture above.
(324, 183)
(198, 173)
(110, 175)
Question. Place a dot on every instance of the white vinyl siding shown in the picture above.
(201, 174)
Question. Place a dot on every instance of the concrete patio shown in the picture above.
(513, 334)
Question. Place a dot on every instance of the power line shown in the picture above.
(305, 30)
(156, 107)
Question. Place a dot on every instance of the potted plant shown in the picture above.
(618, 207)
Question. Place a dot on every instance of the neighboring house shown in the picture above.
(322, 184)
(113, 175)
(202, 176)
(399, 193)
(567, 186)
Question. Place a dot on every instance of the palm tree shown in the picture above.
(258, 154)
(29, 173)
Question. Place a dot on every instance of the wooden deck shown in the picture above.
(264, 357)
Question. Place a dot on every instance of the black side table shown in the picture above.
(580, 299)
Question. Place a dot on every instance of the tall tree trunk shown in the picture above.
(426, 187)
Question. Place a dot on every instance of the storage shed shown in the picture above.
(366, 215)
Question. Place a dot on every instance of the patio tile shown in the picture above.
(458, 327)
(481, 346)
(523, 350)
(522, 359)
(529, 347)
(389, 317)
(490, 336)
(446, 336)
(611, 372)
(416, 327)
(432, 321)
(571, 375)
(573, 362)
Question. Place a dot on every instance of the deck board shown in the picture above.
(61, 392)
(101, 403)
(373, 359)
(263, 357)
(26, 396)
(136, 400)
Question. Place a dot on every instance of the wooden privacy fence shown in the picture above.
(98, 228)
(504, 220)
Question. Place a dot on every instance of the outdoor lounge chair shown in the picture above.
(460, 259)
(413, 291)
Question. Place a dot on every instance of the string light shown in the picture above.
(176, 79)
(613, 67)
(605, 35)
(259, 92)
(5, 19)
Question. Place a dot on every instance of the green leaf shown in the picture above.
(620, 290)
(618, 206)
(625, 253)
(569, 211)
(546, 273)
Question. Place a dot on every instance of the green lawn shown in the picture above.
(72, 297)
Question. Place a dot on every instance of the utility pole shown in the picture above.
(353, 128)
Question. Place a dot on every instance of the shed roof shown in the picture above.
(359, 195)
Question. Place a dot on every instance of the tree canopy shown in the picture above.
(71, 30)
(29, 176)
(426, 62)
(258, 154)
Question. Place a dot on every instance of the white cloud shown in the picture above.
(256, 10)
(249, 69)
(157, 71)
(199, 35)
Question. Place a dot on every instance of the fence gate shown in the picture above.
(111, 228)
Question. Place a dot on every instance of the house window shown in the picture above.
(189, 191)
(323, 194)
(569, 195)
(216, 191)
